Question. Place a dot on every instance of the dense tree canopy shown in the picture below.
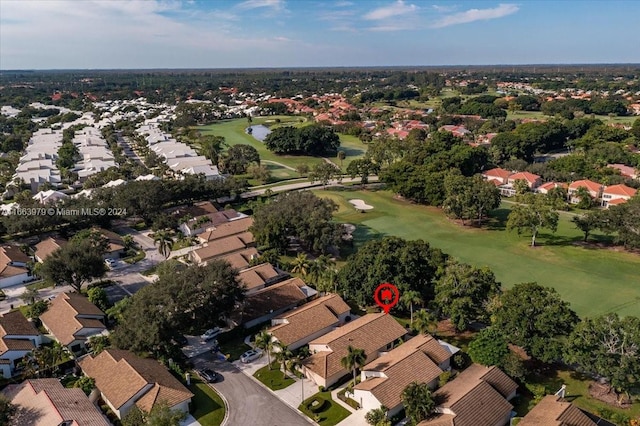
(311, 140)
(74, 264)
(534, 317)
(237, 158)
(196, 297)
(608, 346)
(533, 217)
(410, 265)
(489, 347)
(469, 198)
(463, 292)
(301, 215)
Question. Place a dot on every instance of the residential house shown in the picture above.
(421, 359)
(18, 337)
(594, 189)
(498, 175)
(45, 402)
(532, 181)
(617, 194)
(221, 247)
(72, 320)
(552, 410)
(271, 301)
(625, 170)
(13, 266)
(241, 259)
(45, 248)
(50, 197)
(116, 247)
(124, 380)
(301, 325)
(234, 227)
(259, 276)
(546, 187)
(478, 396)
(200, 224)
(374, 333)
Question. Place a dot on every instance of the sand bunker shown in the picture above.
(360, 205)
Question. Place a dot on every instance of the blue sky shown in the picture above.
(57, 34)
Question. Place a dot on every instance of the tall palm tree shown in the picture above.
(282, 356)
(328, 281)
(418, 401)
(354, 359)
(425, 322)
(265, 342)
(300, 265)
(164, 242)
(128, 242)
(410, 298)
(30, 295)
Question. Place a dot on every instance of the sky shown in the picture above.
(130, 34)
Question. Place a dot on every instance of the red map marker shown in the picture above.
(386, 296)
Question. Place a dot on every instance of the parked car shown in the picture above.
(180, 340)
(209, 375)
(210, 334)
(250, 355)
(110, 263)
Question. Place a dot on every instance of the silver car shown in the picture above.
(250, 355)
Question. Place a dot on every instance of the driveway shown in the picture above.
(249, 403)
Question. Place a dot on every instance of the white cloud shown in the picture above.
(443, 8)
(256, 4)
(395, 9)
(473, 15)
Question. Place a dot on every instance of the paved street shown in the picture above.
(249, 403)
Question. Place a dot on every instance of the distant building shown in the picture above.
(18, 337)
(13, 266)
(554, 411)
(617, 194)
(45, 248)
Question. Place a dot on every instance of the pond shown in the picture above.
(258, 131)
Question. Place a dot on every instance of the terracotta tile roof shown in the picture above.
(526, 176)
(120, 375)
(47, 402)
(469, 378)
(415, 367)
(227, 229)
(616, 201)
(551, 185)
(590, 185)
(497, 172)
(46, 247)
(241, 259)
(422, 343)
(10, 254)
(273, 298)
(621, 190)
(224, 246)
(115, 240)
(61, 319)
(624, 170)
(258, 276)
(554, 411)
(309, 319)
(369, 332)
(14, 323)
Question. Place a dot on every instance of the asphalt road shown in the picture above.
(249, 403)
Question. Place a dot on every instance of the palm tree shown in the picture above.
(30, 295)
(354, 359)
(418, 401)
(265, 342)
(282, 356)
(409, 298)
(164, 242)
(128, 242)
(300, 265)
(425, 322)
(376, 416)
(328, 281)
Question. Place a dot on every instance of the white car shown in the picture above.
(250, 355)
(210, 334)
(110, 263)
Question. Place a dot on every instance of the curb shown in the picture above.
(280, 399)
(226, 406)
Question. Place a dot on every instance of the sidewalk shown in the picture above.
(357, 416)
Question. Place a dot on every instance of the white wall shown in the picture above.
(15, 280)
(366, 400)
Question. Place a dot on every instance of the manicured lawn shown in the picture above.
(140, 254)
(39, 285)
(329, 416)
(594, 281)
(352, 147)
(234, 348)
(519, 115)
(208, 407)
(234, 133)
(577, 393)
(272, 377)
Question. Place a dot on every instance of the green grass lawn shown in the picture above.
(207, 406)
(519, 115)
(272, 377)
(594, 281)
(234, 133)
(577, 393)
(234, 348)
(332, 415)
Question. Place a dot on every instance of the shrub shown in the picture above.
(444, 378)
(321, 389)
(317, 404)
